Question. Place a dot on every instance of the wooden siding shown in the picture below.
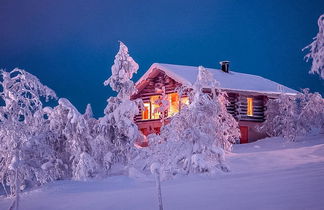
(231, 106)
(258, 108)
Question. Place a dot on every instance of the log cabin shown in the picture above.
(247, 95)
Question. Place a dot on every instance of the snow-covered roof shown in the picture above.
(236, 81)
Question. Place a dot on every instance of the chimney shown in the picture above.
(224, 66)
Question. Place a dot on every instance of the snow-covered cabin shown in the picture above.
(247, 95)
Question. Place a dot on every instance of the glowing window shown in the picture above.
(146, 112)
(174, 104)
(249, 111)
(154, 107)
(185, 100)
(151, 109)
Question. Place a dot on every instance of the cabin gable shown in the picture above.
(158, 80)
(152, 88)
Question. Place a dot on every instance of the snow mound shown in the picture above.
(268, 174)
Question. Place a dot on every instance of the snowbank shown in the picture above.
(268, 174)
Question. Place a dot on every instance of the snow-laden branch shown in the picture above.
(23, 130)
(316, 50)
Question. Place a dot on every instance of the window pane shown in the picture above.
(174, 104)
(155, 113)
(146, 111)
(185, 100)
(249, 106)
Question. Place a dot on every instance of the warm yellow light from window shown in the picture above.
(249, 111)
(146, 111)
(174, 104)
(150, 110)
(185, 100)
(154, 112)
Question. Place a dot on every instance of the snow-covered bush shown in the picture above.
(25, 142)
(197, 137)
(290, 116)
(316, 50)
(117, 125)
(85, 168)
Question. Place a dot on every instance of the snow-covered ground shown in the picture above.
(268, 174)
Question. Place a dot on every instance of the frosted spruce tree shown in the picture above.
(316, 50)
(292, 116)
(196, 139)
(117, 124)
(24, 145)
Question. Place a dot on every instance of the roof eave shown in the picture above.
(177, 78)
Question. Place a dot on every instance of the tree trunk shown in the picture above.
(158, 187)
(17, 191)
(4, 187)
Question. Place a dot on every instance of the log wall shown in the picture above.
(258, 108)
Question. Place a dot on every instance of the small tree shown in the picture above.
(196, 139)
(316, 50)
(163, 105)
(290, 116)
(118, 122)
(22, 143)
(309, 112)
(280, 117)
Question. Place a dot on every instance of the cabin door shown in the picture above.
(244, 134)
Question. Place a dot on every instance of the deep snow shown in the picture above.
(268, 174)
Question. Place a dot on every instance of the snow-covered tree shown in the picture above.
(73, 137)
(24, 145)
(197, 138)
(309, 112)
(280, 117)
(291, 116)
(101, 147)
(163, 105)
(117, 124)
(122, 72)
(316, 50)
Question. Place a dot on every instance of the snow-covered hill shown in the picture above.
(268, 174)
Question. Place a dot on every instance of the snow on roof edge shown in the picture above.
(184, 81)
(168, 72)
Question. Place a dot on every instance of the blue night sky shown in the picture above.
(70, 45)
